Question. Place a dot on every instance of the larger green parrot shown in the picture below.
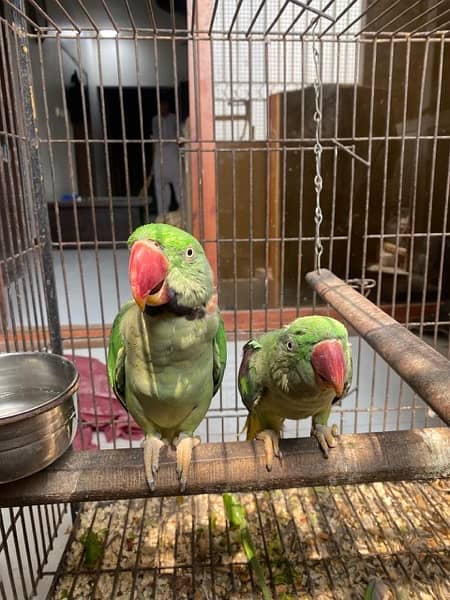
(167, 350)
(294, 373)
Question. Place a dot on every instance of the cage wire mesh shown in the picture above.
(85, 159)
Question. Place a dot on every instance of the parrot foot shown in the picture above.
(271, 441)
(152, 447)
(184, 455)
(325, 435)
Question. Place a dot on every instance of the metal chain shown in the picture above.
(318, 181)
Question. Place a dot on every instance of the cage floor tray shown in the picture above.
(322, 542)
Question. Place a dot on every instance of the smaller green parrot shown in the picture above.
(167, 349)
(295, 373)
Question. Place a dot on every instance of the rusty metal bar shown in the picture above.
(239, 466)
(417, 363)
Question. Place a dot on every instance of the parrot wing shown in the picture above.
(116, 355)
(250, 388)
(220, 355)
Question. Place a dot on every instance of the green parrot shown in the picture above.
(167, 350)
(294, 373)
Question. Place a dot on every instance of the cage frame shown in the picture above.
(413, 455)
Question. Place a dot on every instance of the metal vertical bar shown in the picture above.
(26, 541)
(145, 176)
(358, 48)
(442, 256)
(120, 550)
(284, 168)
(414, 201)
(139, 545)
(383, 215)
(310, 524)
(9, 117)
(292, 502)
(40, 204)
(440, 72)
(124, 133)
(4, 537)
(367, 210)
(323, 499)
(182, 208)
(415, 178)
(301, 180)
(385, 168)
(251, 188)
(268, 179)
(53, 179)
(36, 553)
(72, 178)
(40, 510)
(18, 550)
(231, 46)
(260, 528)
(157, 558)
(24, 226)
(94, 221)
(400, 202)
(107, 167)
(337, 58)
(282, 531)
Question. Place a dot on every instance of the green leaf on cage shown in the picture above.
(379, 590)
(93, 548)
(213, 521)
(235, 513)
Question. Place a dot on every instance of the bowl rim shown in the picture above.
(71, 388)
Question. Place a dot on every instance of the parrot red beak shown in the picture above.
(328, 362)
(147, 271)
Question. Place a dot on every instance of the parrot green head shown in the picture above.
(316, 351)
(168, 268)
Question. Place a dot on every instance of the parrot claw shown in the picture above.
(271, 441)
(325, 435)
(152, 446)
(184, 455)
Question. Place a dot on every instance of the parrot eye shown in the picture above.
(189, 252)
(289, 345)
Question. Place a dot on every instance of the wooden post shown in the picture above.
(201, 147)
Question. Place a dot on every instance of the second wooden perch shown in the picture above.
(417, 363)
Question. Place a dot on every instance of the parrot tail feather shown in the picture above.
(253, 426)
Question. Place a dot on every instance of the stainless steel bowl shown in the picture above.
(38, 411)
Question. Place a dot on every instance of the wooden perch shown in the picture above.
(417, 363)
(239, 466)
